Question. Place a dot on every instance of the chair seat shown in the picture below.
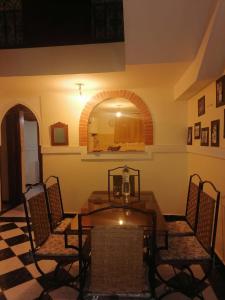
(61, 227)
(179, 228)
(54, 247)
(161, 241)
(183, 250)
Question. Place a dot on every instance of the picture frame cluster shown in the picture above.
(209, 135)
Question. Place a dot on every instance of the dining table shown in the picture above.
(102, 210)
(121, 216)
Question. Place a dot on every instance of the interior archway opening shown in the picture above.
(21, 161)
(106, 95)
(116, 125)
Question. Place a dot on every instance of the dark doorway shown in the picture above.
(13, 155)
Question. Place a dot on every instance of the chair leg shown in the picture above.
(166, 293)
(38, 267)
(82, 278)
(151, 276)
(187, 285)
(56, 282)
(82, 283)
(44, 296)
(58, 267)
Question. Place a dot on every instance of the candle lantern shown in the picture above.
(124, 184)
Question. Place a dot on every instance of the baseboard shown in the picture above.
(70, 215)
(8, 209)
(171, 218)
(220, 265)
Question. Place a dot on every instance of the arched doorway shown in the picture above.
(21, 161)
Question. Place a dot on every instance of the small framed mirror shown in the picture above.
(59, 134)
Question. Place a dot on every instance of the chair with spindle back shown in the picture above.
(117, 253)
(185, 251)
(188, 225)
(44, 244)
(58, 220)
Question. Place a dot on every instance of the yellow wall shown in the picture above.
(165, 173)
(80, 178)
(210, 164)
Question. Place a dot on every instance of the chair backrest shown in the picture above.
(37, 221)
(193, 200)
(117, 185)
(207, 216)
(117, 251)
(54, 198)
(115, 182)
(117, 259)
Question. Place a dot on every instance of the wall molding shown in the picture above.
(130, 155)
(60, 150)
(134, 155)
(103, 156)
(167, 148)
(216, 152)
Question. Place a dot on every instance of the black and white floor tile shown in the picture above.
(20, 280)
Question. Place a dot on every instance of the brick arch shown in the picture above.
(106, 95)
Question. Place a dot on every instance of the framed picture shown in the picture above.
(197, 130)
(220, 91)
(215, 133)
(201, 106)
(205, 136)
(59, 134)
(189, 136)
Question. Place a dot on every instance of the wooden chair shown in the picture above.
(117, 255)
(44, 244)
(184, 251)
(58, 220)
(188, 226)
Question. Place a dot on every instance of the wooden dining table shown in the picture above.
(101, 211)
(120, 216)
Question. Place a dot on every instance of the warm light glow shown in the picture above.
(81, 98)
(120, 222)
(127, 212)
(118, 114)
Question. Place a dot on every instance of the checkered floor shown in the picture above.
(20, 280)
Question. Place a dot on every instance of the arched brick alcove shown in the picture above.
(106, 95)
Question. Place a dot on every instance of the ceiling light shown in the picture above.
(118, 114)
(80, 96)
